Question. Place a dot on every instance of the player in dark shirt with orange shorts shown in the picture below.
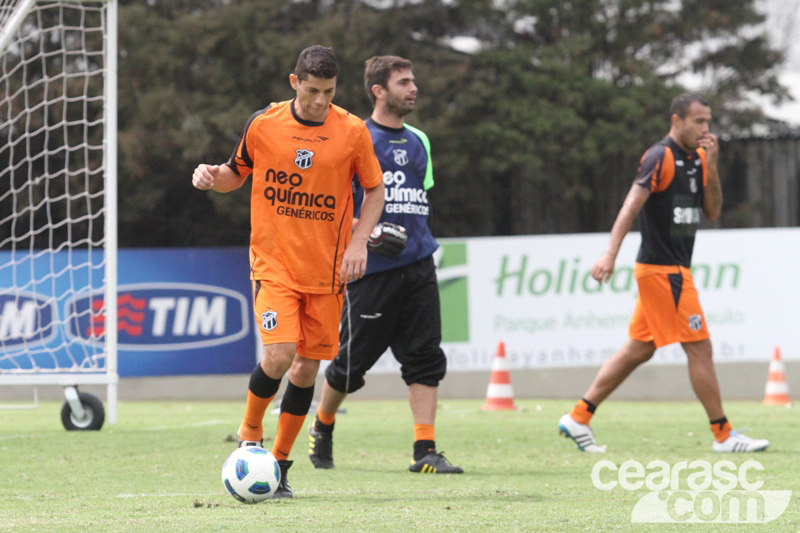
(677, 180)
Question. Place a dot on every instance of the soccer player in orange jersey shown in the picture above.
(303, 155)
(677, 181)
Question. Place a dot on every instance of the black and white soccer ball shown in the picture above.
(251, 474)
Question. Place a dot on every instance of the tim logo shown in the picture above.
(269, 320)
(26, 319)
(162, 316)
(695, 322)
(400, 156)
(303, 159)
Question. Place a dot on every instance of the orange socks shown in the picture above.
(721, 429)
(294, 408)
(424, 432)
(583, 411)
(251, 428)
(261, 391)
(424, 441)
(289, 427)
(326, 418)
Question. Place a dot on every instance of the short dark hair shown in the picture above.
(379, 69)
(318, 61)
(681, 103)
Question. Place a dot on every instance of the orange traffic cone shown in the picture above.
(500, 394)
(777, 392)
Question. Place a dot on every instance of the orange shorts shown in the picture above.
(667, 307)
(310, 320)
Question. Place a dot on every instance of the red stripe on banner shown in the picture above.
(128, 299)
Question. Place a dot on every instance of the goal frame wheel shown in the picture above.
(82, 411)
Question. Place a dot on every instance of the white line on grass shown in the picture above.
(178, 426)
(162, 495)
(138, 430)
(11, 437)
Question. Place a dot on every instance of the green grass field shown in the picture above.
(158, 469)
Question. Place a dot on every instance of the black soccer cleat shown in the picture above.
(434, 463)
(284, 490)
(320, 448)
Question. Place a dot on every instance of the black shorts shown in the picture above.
(397, 309)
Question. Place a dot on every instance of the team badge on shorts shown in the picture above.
(695, 322)
(303, 159)
(269, 320)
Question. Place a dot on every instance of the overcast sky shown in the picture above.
(784, 30)
(783, 24)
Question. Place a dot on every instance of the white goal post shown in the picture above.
(58, 196)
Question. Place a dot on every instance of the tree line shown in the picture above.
(539, 129)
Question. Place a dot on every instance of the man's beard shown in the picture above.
(395, 105)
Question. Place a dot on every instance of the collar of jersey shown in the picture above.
(674, 144)
(303, 121)
(386, 128)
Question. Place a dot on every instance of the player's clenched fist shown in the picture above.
(603, 268)
(204, 176)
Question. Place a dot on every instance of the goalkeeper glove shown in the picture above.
(387, 239)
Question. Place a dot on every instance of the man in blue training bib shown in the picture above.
(396, 304)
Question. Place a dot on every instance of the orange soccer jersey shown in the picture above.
(301, 202)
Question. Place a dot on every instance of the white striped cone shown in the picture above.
(777, 390)
(499, 394)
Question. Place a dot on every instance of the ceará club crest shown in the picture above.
(303, 159)
(400, 156)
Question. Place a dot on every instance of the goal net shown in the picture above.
(58, 163)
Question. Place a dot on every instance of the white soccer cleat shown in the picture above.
(246, 443)
(581, 434)
(740, 443)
